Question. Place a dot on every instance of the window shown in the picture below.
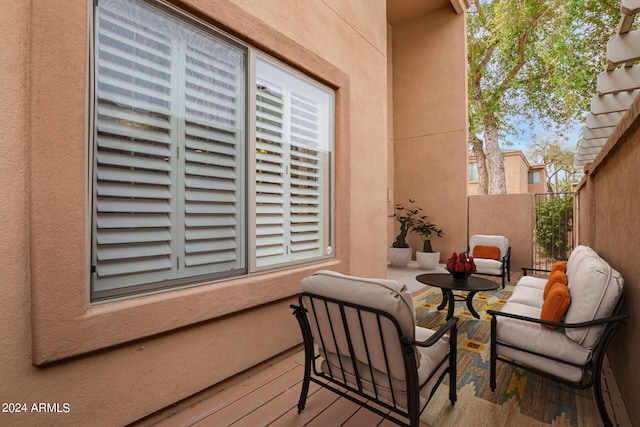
(473, 171)
(534, 177)
(174, 199)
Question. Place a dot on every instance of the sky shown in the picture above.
(528, 134)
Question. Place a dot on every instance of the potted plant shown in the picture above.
(428, 259)
(399, 253)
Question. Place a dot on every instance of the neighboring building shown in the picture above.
(521, 177)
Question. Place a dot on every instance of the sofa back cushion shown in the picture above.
(595, 290)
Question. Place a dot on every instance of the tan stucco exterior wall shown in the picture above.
(430, 123)
(609, 206)
(120, 361)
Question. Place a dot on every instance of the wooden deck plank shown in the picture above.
(257, 397)
(316, 404)
(273, 409)
(336, 414)
(214, 400)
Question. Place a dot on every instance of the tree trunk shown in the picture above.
(496, 162)
(481, 162)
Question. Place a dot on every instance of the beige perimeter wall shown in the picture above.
(117, 362)
(609, 206)
(509, 215)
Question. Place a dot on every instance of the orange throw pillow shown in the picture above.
(559, 266)
(488, 252)
(555, 277)
(556, 304)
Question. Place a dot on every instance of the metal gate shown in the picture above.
(554, 228)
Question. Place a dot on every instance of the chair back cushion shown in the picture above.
(595, 290)
(500, 242)
(375, 342)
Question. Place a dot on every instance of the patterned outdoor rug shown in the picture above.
(521, 398)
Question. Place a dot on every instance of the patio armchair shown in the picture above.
(492, 255)
(361, 342)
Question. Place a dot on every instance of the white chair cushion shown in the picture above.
(430, 358)
(595, 290)
(489, 240)
(488, 266)
(386, 295)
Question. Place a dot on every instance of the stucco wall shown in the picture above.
(430, 122)
(509, 215)
(133, 357)
(609, 206)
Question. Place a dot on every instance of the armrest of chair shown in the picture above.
(451, 324)
(602, 321)
(534, 270)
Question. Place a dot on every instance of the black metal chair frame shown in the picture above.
(506, 267)
(593, 366)
(334, 380)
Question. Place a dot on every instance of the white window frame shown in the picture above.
(251, 263)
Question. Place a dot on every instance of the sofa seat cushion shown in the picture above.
(526, 295)
(488, 266)
(595, 290)
(536, 338)
(429, 360)
(532, 282)
(559, 369)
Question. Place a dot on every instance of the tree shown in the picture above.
(533, 59)
(558, 162)
(554, 223)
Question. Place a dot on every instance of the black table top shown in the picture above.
(445, 281)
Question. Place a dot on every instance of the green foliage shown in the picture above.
(558, 161)
(410, 219)
(533, 61)
(406, 217)
(554, 222)
(427, 231)
(538, 59)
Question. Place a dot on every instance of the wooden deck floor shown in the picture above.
(266, 395)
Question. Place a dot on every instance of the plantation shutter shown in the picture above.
(292, 168)
(134, 153)
(213, 134)
(167, 151)
(271, 246)
(306, 177)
